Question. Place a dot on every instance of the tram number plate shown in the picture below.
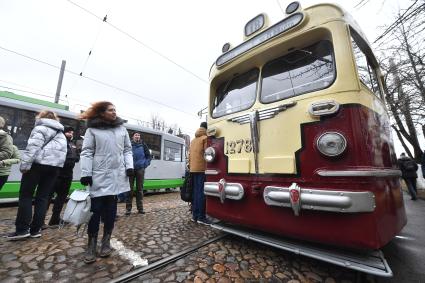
(237, 146)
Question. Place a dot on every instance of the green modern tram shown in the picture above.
(168, 163)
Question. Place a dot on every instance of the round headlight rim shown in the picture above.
(210, 151)
(332, 155)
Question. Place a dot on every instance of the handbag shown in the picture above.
(77, 211)
(186, 191)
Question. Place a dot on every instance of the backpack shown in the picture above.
(77, 211)
(410, 165)
(186, 191)
(147, 153)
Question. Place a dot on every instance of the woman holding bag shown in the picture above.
(106, 161)
(40, 164)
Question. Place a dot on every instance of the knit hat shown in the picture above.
(68, 129)
(203, 125)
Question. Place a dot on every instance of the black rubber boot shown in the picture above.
(54, 220)
(90, 255)
(106, 249)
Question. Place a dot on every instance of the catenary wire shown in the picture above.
(140, 42)
(101, 83)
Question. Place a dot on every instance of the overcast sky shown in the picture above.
(189, 33)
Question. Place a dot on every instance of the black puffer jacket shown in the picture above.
(408, 167)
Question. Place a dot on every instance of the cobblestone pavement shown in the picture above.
(164, 230)
(237, 260)
(57, 255)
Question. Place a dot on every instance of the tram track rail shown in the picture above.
(165, 261)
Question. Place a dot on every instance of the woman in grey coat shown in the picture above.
(106, 161)
(40, 164)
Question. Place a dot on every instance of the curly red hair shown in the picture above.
(96, 109)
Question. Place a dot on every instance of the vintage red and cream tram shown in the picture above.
(299, 141)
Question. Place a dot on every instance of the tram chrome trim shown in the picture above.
(231, 190)
(382, 173)
(323, 200)
(212, 172)
(263, 114)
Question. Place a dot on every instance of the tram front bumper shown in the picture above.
(299, 198)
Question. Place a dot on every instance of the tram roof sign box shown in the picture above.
(11, 95)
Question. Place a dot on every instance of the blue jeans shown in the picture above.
(198, 203)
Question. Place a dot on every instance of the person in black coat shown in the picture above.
(64, 180)
(408, 169)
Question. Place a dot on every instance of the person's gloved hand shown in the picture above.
(130, 172)
(88, 180)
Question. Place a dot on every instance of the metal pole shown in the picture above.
(58, 89)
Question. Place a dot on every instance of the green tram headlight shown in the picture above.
(209, 154)
(331, 144)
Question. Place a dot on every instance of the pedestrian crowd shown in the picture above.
(110, 165)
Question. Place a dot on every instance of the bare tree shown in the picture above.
(403, 57)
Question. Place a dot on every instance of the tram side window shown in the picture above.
(304, 70)
(152, 141)
(22, 126)
(367, 74)
(173, 151)
(236, 94)
(8, 114)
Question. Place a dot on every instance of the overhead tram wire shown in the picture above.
(87, 58)
(398, 21)
(101, 83)
(86, 103)
(141, 43)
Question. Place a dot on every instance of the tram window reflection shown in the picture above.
(366, 71)
(173, 151)
(24, 123)
(236, 94)
(152, 141)
(8, 114)
(304, 70)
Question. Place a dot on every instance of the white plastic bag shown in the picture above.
(77, 211)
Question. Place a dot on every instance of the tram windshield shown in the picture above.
(301, 71)
(236, 94)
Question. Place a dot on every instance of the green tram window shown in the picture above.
(236, 94)
(173, 151)
(152, 141)
(301, 71)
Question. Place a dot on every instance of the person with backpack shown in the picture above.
(106, 162)
(6, 165)
(40, 164)
(64, 180)
(141, 160)
(408, 169)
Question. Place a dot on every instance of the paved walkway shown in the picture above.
(165, 230)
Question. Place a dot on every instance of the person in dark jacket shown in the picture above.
(141, 160)
(64, 180)
(40, 164)
(408, 169)
(106, 163)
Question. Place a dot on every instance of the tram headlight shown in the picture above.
(209, 154)
(331, 144)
